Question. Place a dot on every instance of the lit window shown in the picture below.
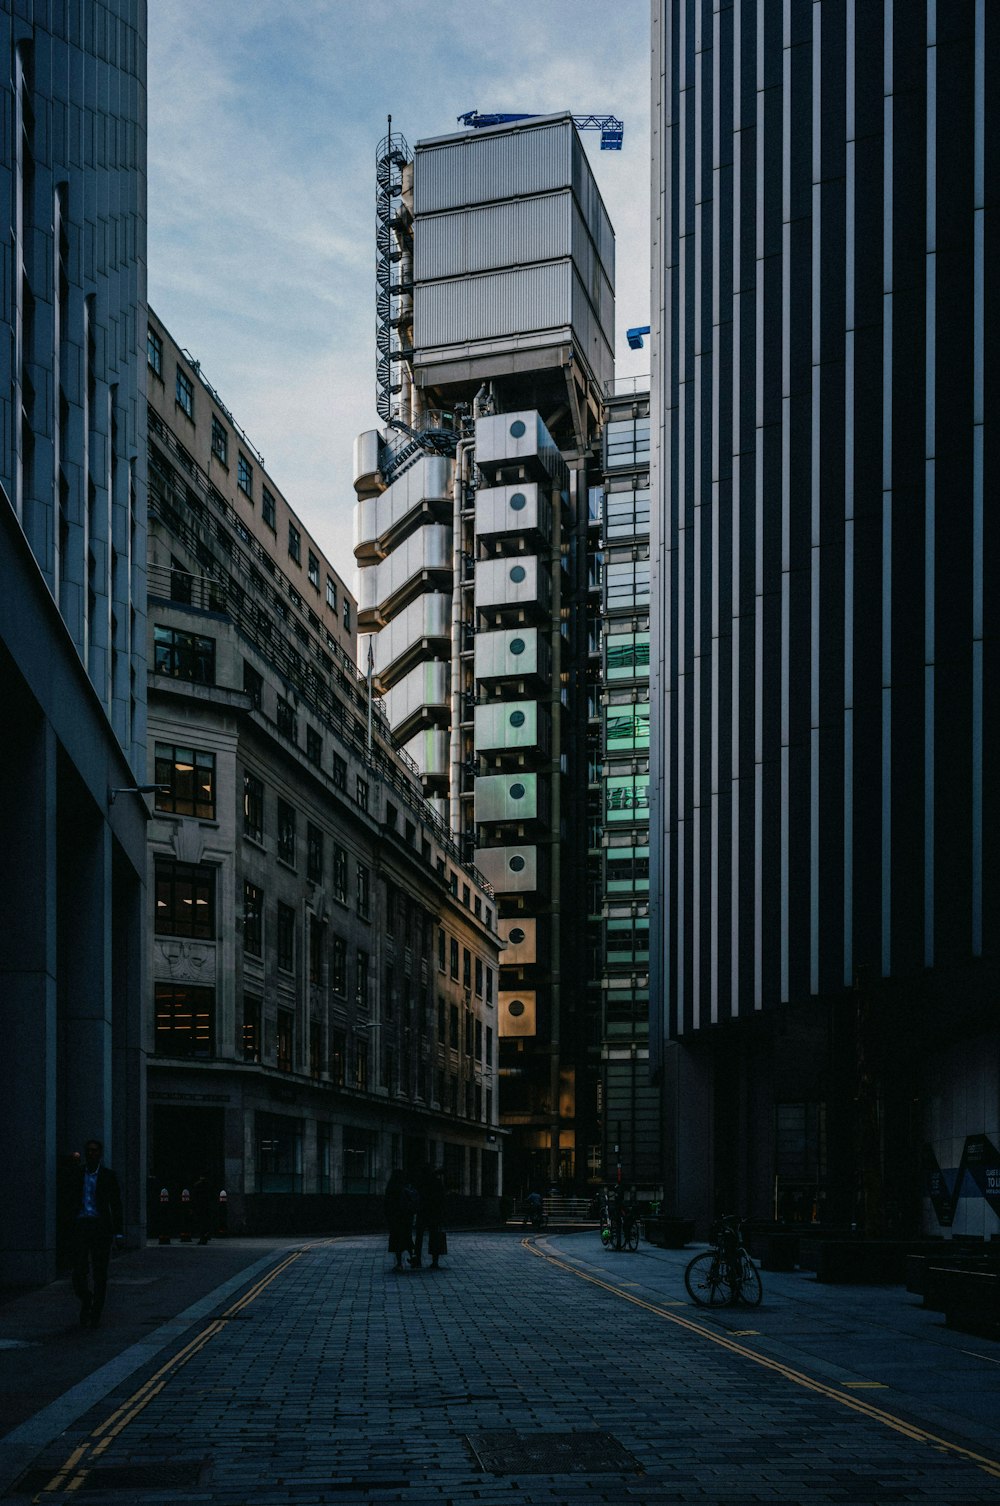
(190, 779)
(154, 352)
(220, 441)
(185, 900)
(185, 1020)
(185, 393)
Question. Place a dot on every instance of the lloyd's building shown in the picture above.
(495, 331)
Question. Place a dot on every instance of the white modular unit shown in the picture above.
(426, 621)
(507, 584)
(517, 1013)
(506, 727)
(520, 510)
(521, 936)
(424, 688)
(521, 439)
(511, 870)
(424, 488)
(429, 549)
(507, 797)
(512, 654)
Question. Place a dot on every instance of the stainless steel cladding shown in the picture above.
(508, 797)
(522, 438)
(521, 936)
(480, 168)
(425, 487)
(429, 549)
(517, 509)
(493, 305)
(512, 727)
(366, 454)
(512, 654)
(509, 586)
(415, 629)
(512, 870)
(423, 690)
(517, 1013)
(429, 751)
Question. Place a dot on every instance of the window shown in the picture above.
(253, 807)
(295, 543)
(627, 583)
(181, 581)
(479, 977)
(313, 570)
(185, 900)
(626, 728)
(627, 798)
(183, 656)
(220, 441)
(347, 614)
(489, 985)
(244, 474)
(441, 1021)
(362, 793)
(340, 873)
(314, 746)
(331, 593)
(253, 685)
(360, 1071)
(453, 958)
(489, 1045)
(324, 1137)
(469, 1031)
(287, 720)
(267, 509)
(466, 968)
(284, 1040)
(338, 1057)
(184, 393)
(286, 832)
(190, 779)
(479, 1041)
(441, 948)
(315, 951)
(314, 853)
(364, 892)
(286, 938)
(627, 655)
(339, 772)
(253, 919)
(453, 1027)
(154, 352)
(338, 966)
(185, 1020)
(249, 1042)
(361, 977)
(279, 1153)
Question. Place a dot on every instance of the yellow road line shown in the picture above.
(107, 1431)
(909, 1430)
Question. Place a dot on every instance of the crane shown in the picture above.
(611, 128)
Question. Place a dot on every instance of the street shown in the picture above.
(327, 1377)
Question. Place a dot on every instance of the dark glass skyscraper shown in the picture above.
(824, 669)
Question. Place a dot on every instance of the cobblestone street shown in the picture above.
(327, 1377)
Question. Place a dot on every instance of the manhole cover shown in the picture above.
(144, 1477)
(513, 1453)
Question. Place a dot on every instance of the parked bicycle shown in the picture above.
(724, 1275)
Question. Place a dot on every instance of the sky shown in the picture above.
(264, 118)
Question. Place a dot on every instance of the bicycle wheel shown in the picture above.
(706, 1281)
(747, 1287)
(632, 1237)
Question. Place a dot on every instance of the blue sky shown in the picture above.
(263, 123)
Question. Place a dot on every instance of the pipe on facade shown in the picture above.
(462, 452)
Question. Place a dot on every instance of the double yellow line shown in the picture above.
(855, 1404)
(77, 1467)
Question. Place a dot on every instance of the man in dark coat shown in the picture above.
(95, 1209)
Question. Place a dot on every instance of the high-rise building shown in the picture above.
(823, 670)
(323, 966)
(72, 607)
(496, 326)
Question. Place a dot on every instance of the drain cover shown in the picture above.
(512, 1453)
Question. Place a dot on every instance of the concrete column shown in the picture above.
(28, 883)
(85, 939)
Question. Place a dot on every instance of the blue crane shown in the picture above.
(634, 336)
(611, 128)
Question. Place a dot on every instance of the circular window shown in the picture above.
(517, 428)
(516, 1008)
(518, 501)
(516, 863)
(518, 573)
(517, 792)
(517, 645)
(517, 718)
(516, 935)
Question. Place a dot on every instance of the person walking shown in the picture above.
(400, 1203)
(430, 1218)
(96, 1226)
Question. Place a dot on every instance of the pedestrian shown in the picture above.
(430, 1218)
(96, 1226)
(400, 1205)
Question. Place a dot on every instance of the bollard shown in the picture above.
(223, 1212)
(185, 1234)
(164, 1216)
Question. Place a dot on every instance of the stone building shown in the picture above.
(323, 974)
